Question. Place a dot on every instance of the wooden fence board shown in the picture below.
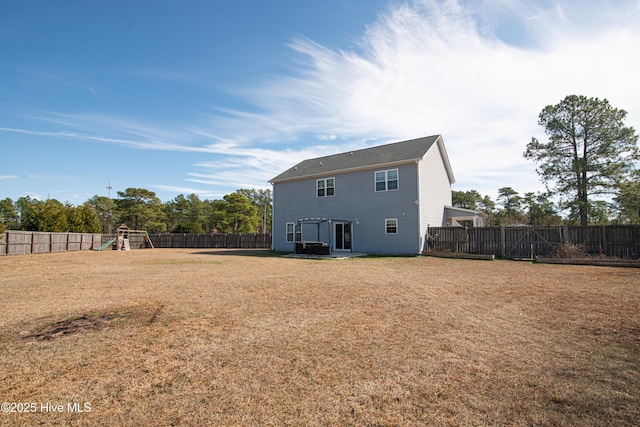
(485, 240)
(210, 240)
(41, 242)
(74, 241)
(19, 242)
(13, 242)
(530, 242)
(90, 241)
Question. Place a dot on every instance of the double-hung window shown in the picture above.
(391, 226)
(387, 180)
(294, 232)
(325, 187)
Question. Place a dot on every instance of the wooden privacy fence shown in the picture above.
(529, 242)
(37, 242)
(211, 240)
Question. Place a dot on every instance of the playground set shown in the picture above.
(121, 241)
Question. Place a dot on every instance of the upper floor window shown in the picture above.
(387, 180)
(325, 187)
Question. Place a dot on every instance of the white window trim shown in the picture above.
(386, 180)
(293, 233)
(386, 225)
(325, 187)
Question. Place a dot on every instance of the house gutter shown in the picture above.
(348, 170)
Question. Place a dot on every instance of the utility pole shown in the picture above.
(109, 225)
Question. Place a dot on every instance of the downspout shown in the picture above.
(419, 214)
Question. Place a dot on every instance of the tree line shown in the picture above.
(243, 211)
(588, 165)
(538, 209)
(249, 211)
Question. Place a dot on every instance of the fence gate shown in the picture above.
(529, 242)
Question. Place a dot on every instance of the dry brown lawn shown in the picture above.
(212, 337)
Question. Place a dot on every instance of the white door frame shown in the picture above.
(339, 230)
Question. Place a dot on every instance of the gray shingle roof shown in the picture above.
(397, 152)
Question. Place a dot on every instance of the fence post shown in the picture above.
(503, 244)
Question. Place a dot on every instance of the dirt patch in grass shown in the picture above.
(86, 323)
(76, 325)
(186, 338)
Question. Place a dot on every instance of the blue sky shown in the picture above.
(208, 97)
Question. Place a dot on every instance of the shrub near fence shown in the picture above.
(529, 242)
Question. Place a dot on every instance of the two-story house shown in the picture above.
(375, 200)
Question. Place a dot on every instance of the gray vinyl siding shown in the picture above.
(435, 191)
(355, 200)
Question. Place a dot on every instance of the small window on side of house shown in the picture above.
(294, 232)
(391, 226)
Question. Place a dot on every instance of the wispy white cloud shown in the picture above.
(9, 177)
(203, 194)
(156, 145)
(477, 71)
(431, 66)
(68, 80)
(138, 138)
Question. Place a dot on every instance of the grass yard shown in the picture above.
(213, 337)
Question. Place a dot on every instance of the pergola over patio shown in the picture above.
(317, 247)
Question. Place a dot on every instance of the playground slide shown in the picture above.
(106, 244)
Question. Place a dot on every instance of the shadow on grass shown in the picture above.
(242, 252)
(268, 253)
(389, 256)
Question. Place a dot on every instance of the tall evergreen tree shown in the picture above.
(140, 209)
(589, 152)
(189, 209)
(107, 212)
(510, 201)
(9, 217)
(28, 211)
(628, 200)
(235, 214)
(466, 199)
(52, 216)
(539, 210)
(83, 219)
(262, 200)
